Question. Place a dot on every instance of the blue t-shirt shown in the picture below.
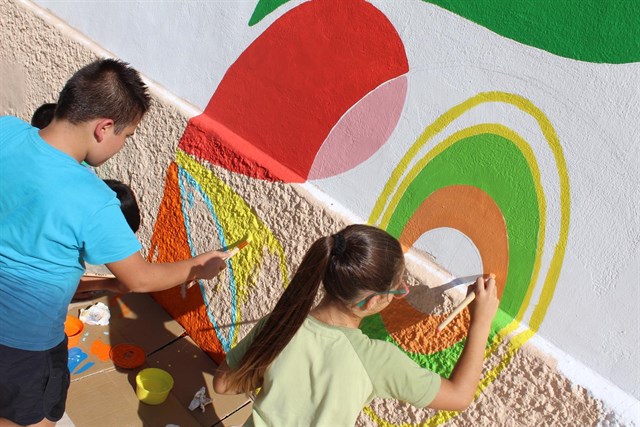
(54, 215)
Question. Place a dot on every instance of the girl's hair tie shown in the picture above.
(339, 244)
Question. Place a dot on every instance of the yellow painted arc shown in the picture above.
(514, 344)
(443, 416)
(443, 121)
(554, 144)
(556, 262)
(235, 225)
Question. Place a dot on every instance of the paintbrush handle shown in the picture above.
(456, 311)
(231, 253)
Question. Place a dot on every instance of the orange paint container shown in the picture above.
(127, 356)
(73, 327)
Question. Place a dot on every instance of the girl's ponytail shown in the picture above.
(286, 318)
(357, 260)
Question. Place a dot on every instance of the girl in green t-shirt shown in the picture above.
(291, 353)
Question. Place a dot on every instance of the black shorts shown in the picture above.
(33, 384)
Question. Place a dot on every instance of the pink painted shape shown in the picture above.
(362, 130)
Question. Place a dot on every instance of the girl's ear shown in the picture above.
(372, 303)
(101, 129)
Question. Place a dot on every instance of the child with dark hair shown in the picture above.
(319, 359)
(128, 203)
(55, 214)
(43, 115)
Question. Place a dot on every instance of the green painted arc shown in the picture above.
(496, 166)
(441, 362)
(586, 30)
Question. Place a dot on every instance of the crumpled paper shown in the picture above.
(96, 314)
(200, 400)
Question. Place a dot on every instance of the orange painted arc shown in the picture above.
(472, 212)
(451, 207)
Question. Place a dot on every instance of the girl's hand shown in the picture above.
(485, 305)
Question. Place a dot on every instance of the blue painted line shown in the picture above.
(185, 179)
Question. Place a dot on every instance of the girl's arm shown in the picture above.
(457, 392)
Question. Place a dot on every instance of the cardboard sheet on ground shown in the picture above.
(191, 369)
(135, 319)
(102, 394)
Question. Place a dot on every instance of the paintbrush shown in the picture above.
(459, 308)
(228, 255)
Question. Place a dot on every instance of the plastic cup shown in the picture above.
(72, 328)
(153, 385)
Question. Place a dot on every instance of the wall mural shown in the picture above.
(445, 189)
(190, 190)
(305, 102)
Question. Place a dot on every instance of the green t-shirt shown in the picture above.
(327, 374)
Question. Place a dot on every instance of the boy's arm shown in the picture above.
(95, 283)
(138, 275)
(457, 392)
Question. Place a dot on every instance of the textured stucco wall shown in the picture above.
(200, 186)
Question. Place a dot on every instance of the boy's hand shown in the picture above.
(485, 305)
(212, 263)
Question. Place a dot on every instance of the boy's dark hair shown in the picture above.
(128, 203)
(43, 115)
(107, 88)
(356, 260)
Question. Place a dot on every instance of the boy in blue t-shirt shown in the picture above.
(54, 215)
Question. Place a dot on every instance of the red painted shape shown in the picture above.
(278, 102)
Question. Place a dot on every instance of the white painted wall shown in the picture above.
(594, 317)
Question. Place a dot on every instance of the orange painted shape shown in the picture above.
(416, 332)
(472, 212)
(170, 243)
(100, 349)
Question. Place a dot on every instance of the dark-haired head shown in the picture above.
(106, 88)
(43, 115)
(353, 263)
(128, 203)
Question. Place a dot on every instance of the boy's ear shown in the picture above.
(102, 127)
